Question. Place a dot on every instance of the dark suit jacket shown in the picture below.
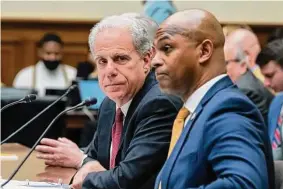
(223, 146)
(256, 92)
(145, 141)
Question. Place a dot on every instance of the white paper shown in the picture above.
(14, 184)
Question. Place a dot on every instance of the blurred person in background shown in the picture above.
(238, 70)
(270, 60)
(158, 10)
(49, 72)
(228, 29)
(276, 34)
(248, 42)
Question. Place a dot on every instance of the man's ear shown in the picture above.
(243, 67)
(206, 50)
(147, 61)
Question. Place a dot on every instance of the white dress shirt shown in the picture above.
(45, 79)
(194, 100)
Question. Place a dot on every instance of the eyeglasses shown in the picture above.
(232, 60)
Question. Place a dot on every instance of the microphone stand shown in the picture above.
(18, 130)
(36, 143)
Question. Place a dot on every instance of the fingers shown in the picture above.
(50, 142)
(46, 149)
(51, 163)
(46, 156)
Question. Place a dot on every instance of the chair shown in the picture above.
(278, 165)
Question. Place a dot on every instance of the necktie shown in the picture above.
(116, 136)
(276, 142)
(178, 127)
(177, 130)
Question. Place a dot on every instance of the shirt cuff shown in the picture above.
(82, 161)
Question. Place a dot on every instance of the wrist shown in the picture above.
(82, 158)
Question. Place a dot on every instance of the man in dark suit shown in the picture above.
(218, 139)
(240, 73)
(135, 119)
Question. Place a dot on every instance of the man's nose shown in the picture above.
(111, 69)
(156, 61)
(266, 83)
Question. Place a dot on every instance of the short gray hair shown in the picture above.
(240, 55)
(141, 28)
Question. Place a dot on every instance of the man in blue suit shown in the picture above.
(219, 139)
(270, 60)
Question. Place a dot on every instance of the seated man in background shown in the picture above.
(248, 42)
(270, 60)
(219, 139)
(135, 119)
(48, 73)
(237, 65)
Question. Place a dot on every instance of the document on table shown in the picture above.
(14, 184)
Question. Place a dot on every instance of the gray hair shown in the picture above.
(240, 55)
(141, 28)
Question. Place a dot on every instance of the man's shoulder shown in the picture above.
(24, 75)
(156, 95)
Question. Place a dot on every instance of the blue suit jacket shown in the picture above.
(223, 145)
(273, 114)
(144, 143)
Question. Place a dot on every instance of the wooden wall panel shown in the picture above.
(19, 38)
(19, 43)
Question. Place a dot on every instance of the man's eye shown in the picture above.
(120, 59)
(166, 48)
(102, 61)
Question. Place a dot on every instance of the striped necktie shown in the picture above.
(277, 139)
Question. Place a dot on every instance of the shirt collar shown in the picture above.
(126, 107)
(193, 101)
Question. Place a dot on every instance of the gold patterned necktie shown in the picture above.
(178, 127)
(177, 130)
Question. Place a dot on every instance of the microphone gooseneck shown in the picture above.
(80, 105)
(27, 123)
(27, 99)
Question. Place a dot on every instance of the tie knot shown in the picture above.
(183, 113)
(119, 115)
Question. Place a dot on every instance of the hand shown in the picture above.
(61, 152)
(92, 166)
(53, 174)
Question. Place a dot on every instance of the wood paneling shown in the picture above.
(19, 38)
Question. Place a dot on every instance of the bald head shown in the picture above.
(197, 25)
(245, 40)
(189, 48)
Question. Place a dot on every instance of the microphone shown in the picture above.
(87, 102)
(27, 99)
(71, 88)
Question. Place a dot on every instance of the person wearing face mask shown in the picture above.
(49, 72)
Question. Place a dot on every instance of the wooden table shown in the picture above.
(33, 169)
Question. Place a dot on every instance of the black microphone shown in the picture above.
(27, 99)
(87, 102)
(22, 127)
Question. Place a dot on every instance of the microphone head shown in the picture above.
(73, 87)
(90, 101)
(30, 98)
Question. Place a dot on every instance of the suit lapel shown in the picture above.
(177, 149)
(220, 85)
(149, 82)
(105, 134)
